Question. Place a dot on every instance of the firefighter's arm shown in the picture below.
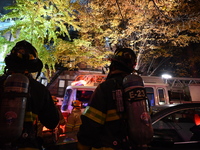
(83, 147)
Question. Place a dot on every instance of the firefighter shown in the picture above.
(62, 121)
(102, 127)
(23, 59)
(51, 136)
(74, 120)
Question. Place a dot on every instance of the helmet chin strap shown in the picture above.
(38, 74)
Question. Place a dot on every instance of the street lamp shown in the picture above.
(166, 77)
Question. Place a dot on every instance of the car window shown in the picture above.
(179, 126)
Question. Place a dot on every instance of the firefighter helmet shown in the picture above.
(55, 100)
(124, 59)
(23, 57)
(76, 104)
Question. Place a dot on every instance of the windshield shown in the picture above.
(84, 96)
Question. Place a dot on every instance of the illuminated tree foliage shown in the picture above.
(47, 25)
(153, 28)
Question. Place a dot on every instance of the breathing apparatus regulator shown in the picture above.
(22, 60)
(131, 98)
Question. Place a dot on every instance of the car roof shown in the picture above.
(169, 109)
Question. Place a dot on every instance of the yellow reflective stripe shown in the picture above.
(94, 114)
(70, 125)
(112, 115)
(30, 117)
(77, 125)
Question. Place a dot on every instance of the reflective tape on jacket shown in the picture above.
(99, 116)
(77, 125)
(70, 125)
(30, 117)
(112, 115)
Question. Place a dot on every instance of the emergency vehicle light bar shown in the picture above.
(89, 80)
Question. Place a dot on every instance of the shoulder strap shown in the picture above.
(118, 94)
(119, 98)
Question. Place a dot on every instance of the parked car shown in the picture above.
(176, 126)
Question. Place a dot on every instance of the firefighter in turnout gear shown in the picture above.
(23, 60)
(103, 126)
(51, 136)
(74, 120)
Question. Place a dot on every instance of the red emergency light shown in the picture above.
(78, 83)
(197, 119)
(89, 80)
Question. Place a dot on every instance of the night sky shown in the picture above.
(4, 3)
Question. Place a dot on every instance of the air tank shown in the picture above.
(12, 107)
(136, 105)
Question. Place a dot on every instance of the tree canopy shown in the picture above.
(47, 25)
(152, 28)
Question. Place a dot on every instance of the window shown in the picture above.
(161, 96)
(61, 87)
(178, 95)
(84, 97)
(66, 99)
(179, 126)
(150, 95)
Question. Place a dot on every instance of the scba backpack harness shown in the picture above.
(132, 102)
(12, 107)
